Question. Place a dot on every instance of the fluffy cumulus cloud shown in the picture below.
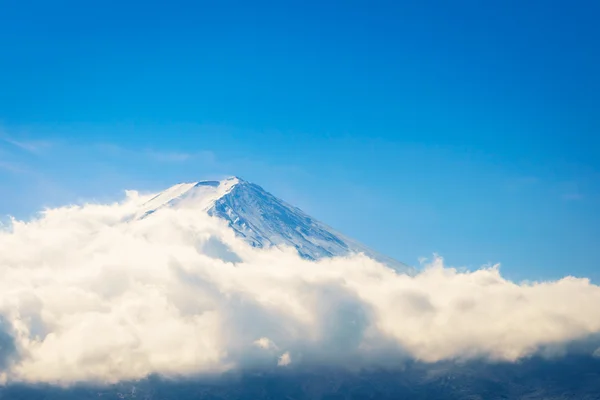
(90, 293)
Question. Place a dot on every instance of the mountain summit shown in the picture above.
(263, 220)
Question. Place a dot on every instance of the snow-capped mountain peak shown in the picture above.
(262, 219)
(200, 195)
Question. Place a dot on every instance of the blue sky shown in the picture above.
(464, 128)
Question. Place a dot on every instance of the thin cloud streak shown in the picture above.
(12, 167)
(30, 146)
(163, 156)
(572, 196)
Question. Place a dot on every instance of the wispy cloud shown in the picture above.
(521, 183)
(570, 191)
(9, 164)
(16, 153)
(574, 196)
(162, 156)
(566, 190)
(180, 157)
(11, 167)
(168, 156)
(30, 146)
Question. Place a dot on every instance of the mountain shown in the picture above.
(263, 220)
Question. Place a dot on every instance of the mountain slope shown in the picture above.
(263, 220)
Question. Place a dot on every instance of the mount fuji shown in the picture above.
(262, 220)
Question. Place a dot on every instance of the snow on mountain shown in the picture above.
(263, 220)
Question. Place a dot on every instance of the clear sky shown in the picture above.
(466, 128)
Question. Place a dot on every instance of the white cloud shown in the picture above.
(88, 294)
(265, 343)
(284, 360)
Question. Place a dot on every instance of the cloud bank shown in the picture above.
(89, 294)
